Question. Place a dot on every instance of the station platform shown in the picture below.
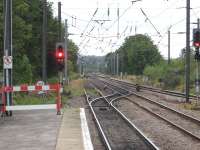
(74, 132)
(30, 130)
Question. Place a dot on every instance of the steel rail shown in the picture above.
(164, 106)
(151, 145)
(165, 119)
(98, 124)
(153, 89)
(157, 90)
(98, 98)
(159, 116)
(148, 141)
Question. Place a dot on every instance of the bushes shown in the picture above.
(171, 75)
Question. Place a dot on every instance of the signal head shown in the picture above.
(196, 38)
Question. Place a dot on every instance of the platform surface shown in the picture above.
(30, 130)
(70, 134)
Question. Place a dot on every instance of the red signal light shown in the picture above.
(60, 54)
(196, 44)
(196, 38)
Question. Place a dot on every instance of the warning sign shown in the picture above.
(7, 62)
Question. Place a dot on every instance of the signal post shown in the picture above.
(60, 59)
(196, 44)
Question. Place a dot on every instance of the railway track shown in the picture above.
(183, 122)
(148, 88)
(117, 131)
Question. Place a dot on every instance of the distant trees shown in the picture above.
(135, 54)
(93, 63)
(27, 39)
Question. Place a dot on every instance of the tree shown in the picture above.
(72, 49)
(137, 52)
(23, 71)
(27, 37)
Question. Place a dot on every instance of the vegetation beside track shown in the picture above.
(166, 76)
(73, 89)
(34, 99)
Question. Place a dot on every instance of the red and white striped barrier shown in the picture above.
(25, 88)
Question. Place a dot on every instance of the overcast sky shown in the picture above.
(95, 37)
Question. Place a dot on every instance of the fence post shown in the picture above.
(3, 100)
(58, 103)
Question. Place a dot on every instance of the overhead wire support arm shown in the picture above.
(123, 13)
(89, 22)
(147, 18)
(119, 17)
(83, 32)
(135, 1)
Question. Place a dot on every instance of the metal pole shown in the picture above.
(114, 63)
(187, 88)
(169, 46)
(117, 22)
(44, 49)
(59, 35)
(8, 47)
(59, 22)
(66, 38)
(197, 69)
(117, 64)
(122, 65)
(111, 64)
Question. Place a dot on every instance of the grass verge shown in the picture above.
(74, 89)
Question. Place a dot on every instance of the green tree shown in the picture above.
(137, 52)
(27, 37)
(23, 71)
(72, 54)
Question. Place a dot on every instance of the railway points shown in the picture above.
(131, 138)
(184, 125)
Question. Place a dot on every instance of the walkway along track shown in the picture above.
(185, 123)
(117, 131)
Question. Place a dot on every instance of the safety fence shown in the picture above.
(56, 88)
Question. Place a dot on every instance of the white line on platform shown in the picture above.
(85, 131)
(31, 107)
